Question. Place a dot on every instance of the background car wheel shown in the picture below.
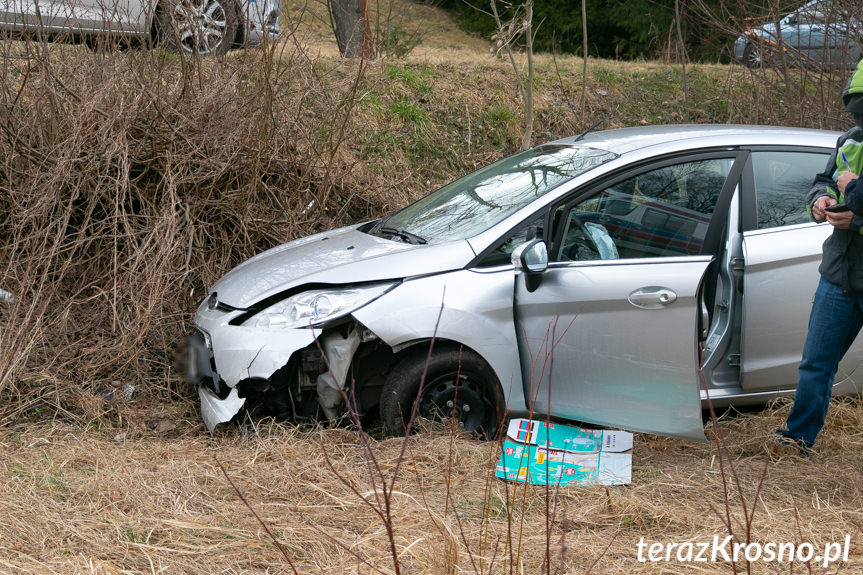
(205, 27)
(753, 56)
(459, 384)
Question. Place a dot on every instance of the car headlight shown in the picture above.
(313, 307)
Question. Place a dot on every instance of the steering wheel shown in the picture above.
(571, 249)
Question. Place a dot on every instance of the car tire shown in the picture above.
(754, 56)
(205, 27)
(458, 384)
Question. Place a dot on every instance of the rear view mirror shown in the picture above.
(532, 259)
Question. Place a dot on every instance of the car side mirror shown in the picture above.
(532, 259)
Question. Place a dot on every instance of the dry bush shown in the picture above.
(131, 181)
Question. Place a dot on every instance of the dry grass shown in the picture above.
(156, 501)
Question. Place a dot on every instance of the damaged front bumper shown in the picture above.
(215, 410)
(244, 354)
(231, 363)
(198, 367)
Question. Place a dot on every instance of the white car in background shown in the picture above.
(204, 27)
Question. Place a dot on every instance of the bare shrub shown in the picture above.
(130, 182)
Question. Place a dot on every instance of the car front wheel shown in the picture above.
(459, 385)
(753, 56)
(205, 27)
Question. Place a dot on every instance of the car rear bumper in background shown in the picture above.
(257, 36)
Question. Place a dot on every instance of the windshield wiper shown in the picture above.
(406, 236)
(598, 124)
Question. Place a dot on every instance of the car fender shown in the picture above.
(468, 307)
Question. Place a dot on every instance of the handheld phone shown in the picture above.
(837, 208)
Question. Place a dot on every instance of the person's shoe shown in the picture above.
(783, 446)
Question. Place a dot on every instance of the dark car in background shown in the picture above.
(820, 33)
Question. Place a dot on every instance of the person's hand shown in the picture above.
(845, 178)
(841, 220)
(818, 212)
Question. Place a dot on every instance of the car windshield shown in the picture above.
(474, 203)
(823, 12)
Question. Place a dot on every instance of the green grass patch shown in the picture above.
(420, 80)
(412, 114)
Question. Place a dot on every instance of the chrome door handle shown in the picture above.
(652, 297)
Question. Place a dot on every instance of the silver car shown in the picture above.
(593, 279)
(820, 32)
(201, 26)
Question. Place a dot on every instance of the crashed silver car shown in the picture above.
(204, 27)
(591, 278)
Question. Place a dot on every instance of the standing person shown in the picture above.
(837, 309)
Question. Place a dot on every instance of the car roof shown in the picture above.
(683, 136)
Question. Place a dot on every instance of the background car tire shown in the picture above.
(754, 56)
(459, 384)
(205, 27)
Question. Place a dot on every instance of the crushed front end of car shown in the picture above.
(288, 359)
(342, 321)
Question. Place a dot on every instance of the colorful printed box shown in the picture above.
(551, 454)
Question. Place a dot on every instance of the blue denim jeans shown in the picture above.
(834, 322)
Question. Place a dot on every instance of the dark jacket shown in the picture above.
(842, 260)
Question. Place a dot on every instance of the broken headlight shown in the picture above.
(313, 307)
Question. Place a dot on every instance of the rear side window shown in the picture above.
(782, 180)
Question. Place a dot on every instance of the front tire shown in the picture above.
(459, 384)
(203, 27)
(754, 56)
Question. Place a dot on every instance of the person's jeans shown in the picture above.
(834, 322)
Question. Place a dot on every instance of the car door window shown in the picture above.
(502, 253)
(782, 180)
(659, 213)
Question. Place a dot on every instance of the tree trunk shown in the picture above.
(528, 101)
(348, 18)
(584, 48)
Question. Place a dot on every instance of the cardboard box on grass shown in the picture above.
(551, 454)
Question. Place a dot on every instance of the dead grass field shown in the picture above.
(155, 500)
(120, 207)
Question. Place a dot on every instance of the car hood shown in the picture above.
(339, 256)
